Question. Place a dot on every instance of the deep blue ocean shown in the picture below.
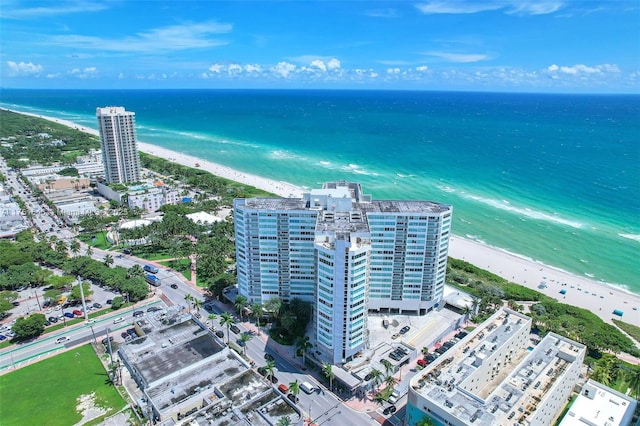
(555, 178)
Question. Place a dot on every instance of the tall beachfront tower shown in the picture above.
(119, 144)
(345, 253)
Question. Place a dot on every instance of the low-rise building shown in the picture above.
(599, 405)
(493, 376)
(150, 200)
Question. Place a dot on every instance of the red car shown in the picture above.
(422, 363)
(77, 313)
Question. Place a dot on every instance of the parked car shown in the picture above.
(389, 410)
(307, 387)
(268, 357)
(220, 334)
(107, 340)
(235, 329)
(138, 314)
(283, 388)
(69, 315)
(405, 329)
(395, 336)
(293, 398)
(3, 337)
(109, 301)
(53, 319)
(77, 312)
(62, 339)
(97, 305)
(422, 363)
(125, 335)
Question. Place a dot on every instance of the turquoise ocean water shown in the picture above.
(555, 178)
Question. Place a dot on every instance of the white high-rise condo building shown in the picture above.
(347, 254)
(119, 144)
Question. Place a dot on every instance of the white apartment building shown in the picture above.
(493, 377)
(119, 145)
(150, 200)
(599, 405)
(346, 253)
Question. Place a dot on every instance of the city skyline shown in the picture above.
(517, 46)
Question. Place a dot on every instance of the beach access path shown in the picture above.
(600, 298)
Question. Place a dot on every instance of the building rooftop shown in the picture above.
(508, 392)
(598, 404)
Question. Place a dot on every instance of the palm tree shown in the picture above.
(425, 351)
(74, 246)
(89, 251)
(197, 304)
(227, 319)
(294, 388)
(302, 344)
(212, 317)
(376, 375)
(241, 303)
(108, 260)
(390, 381)
(269, 369)
(61, 248)
(188, 298)
(288, 320)
(284, 421)
(388, 367)
(425, 421)
(273, 306)
(256, 312)
(379, 398)
(135, 271)
(633, 377)
(327, 370)
(244, 338)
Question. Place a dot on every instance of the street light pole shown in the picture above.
(94, 335)
(109, 343)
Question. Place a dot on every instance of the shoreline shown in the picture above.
(598, 297)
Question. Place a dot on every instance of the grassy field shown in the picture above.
(183, 266)
(46, 392)
(100, 240)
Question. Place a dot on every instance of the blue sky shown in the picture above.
(496, 45)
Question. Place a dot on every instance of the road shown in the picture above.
(322, 405)
(78, 334)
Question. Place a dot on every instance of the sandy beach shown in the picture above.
(600, 298)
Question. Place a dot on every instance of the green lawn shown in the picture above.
(100, 241)
(183, 266)
(46, 392)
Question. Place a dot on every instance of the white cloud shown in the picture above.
(234, 69)
(535, 7)
(318, 64)
(393, 71)
(283, 69)
(382, 13)
(56, 75)
(60, 8)
(422, 68)
(216, 68)
(173, 37)
(253, 68)
(581, 69)
(85, 73)
(513, 7)
(333, 64)
(459, 57)
(24, 68)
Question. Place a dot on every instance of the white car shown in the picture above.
(62, 339)
(117, 320)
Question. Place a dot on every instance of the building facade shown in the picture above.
(345, 253)
(119, 145)
(152, 199)
(494, 377)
